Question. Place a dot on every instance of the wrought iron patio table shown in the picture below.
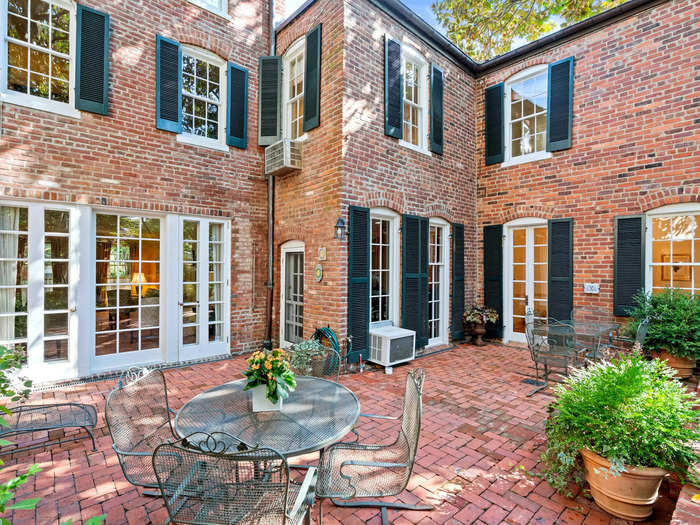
(593, 334)
(317, 414)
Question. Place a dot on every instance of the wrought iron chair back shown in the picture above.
(138, 419)
(412, 414)
(642, 329)
(213, 478)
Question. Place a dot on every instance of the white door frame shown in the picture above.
(287, 247)
(444, 276)
(508, 228)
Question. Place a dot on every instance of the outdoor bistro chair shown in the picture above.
(557, 350)
(212, 479)
(357, 470)
(621, 345)
(138, 419)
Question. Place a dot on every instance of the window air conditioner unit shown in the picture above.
(390, 345)
(283, 157)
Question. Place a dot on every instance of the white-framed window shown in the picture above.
(37, 67)
(204, 88)
(438, 272)
(292, 293)
(293, 90)
(526, 116)
(414, 69)
(218, 7)
(673, 248)
(384, 266)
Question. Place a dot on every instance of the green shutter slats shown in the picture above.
(437, 80)
(560, 94)
(629, 262)
(312, 79)
(92, 61)
(493, 276)
(393, 86)
(457, 282)
(358, 282)
(237, 110)
(414, 302)
(494, 126)
(270, 103)
(560, 287)
(168, 85)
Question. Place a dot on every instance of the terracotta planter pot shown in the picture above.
(631, 495)
(478, 331)
(682, 365)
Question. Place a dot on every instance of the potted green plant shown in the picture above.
(622, 425)
(270, 379)
(673, 333)
(477, 316)
(308, 358)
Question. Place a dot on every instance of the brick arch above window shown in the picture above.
(381, 199)
(521, 211)
(439, 211)
(664, 197)
(205, 41)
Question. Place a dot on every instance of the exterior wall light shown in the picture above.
(340, 229)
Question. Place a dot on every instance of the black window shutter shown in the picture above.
(629, 262)
(312, 79)
(493, 276)
(494, 131)
(560, 94)
(457, 282)
(561, 269)
(358, 283)
(270, 115)
(437, 80)
(92, 64)
(168, 85)
(393, 89)
(414, 301)
(237, 110)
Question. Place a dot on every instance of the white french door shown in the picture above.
(525, 265)
(438, 270)
(203, 292)
(292, 293)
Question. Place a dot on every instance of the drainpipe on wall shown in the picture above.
(270, 217)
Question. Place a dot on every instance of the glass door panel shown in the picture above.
(294, 297)
(56, 261)
(189, 299)
(14, 265)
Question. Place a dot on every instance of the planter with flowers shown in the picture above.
(476, 317)
(270, 379)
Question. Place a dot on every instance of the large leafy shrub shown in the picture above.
(674, 322)
(630, 411)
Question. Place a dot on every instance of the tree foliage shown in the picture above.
(488, 28)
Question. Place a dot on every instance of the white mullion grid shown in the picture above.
(295, 97)
(15, 287)
(694, 263)
(217, 285)
(436, 264)
(203, 98)
(412, 103)
(197, 283)
(535, 282)
(61, 311)
(383, 268)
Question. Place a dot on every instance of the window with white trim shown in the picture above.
(673, 260)
(293, 89)
(203, 96)
(38, 53)
(384, 246)
(220, 7)
(415, 99)
(526, 113)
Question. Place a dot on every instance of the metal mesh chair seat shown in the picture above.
(206, 480)
(138, 418)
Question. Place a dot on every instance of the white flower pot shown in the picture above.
(260, 401)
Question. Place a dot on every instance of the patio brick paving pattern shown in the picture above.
(481, 438)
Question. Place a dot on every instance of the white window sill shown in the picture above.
(418, 149)
(202, 142)
(532, 157)
(50, 106)
(217, 12)
(303, 138)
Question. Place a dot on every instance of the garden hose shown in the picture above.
(328, 333)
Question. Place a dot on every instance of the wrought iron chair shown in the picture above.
(557, 350)
(621, 345)
(138, 419)
(212, 479)
(357, 470)
(326, 364)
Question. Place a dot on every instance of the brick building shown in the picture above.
(131, 240)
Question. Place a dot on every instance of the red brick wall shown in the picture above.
(125, 160)
(635, 138)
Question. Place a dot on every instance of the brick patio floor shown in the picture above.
(479, 429)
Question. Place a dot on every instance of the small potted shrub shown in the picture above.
(308, 358)
(476, 317)
(622, 425)
(270, 379)
(674, 327)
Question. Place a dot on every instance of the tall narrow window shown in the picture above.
(380, 270)
(191, 253)
(415, 99)
(436, 281)
(216, 282)
(14, 259)
(675, 252)
(56, 264)
(527, 113)
(294, 90)
(128, 284)
(203, 89)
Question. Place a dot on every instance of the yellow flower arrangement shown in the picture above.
(271, 368)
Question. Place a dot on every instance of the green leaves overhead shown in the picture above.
(488, 28)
